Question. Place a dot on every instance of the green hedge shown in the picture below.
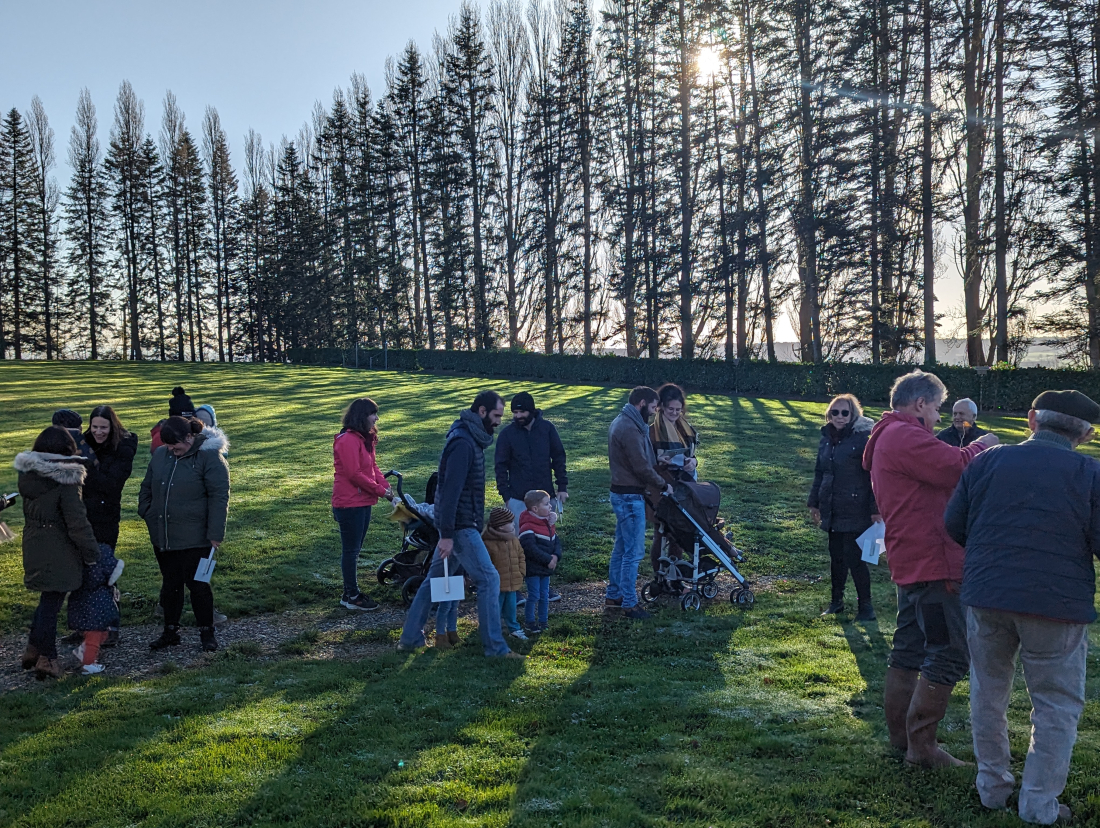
(1009, 389)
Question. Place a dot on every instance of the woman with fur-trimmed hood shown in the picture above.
(58, 540)
(184, 500)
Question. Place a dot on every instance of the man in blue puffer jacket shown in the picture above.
(1029, 517)
(460, 517)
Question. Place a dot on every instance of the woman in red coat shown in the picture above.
(357, 486)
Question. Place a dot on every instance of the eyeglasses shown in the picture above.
(839, 412)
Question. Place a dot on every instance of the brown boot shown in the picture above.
(30, 657)
(442, 642)
(926, 711)
(452, 636)
(896, 696)
(46, 668)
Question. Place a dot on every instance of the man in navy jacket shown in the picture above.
(1029, 517)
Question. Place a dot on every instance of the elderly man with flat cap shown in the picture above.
(1029, 517)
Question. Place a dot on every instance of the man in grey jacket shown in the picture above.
(1029, 517)
(633, 472)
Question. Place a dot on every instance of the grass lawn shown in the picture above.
(765, 718)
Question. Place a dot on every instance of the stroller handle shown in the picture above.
(400, 479)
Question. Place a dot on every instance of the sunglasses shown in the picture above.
(839, 412)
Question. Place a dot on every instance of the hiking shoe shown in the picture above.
(92, 669)
(359, 602)
(636, 614)
(452, 636)
(78, 653)
(30, 657)
(521, 600)
(534, 629)
(46, 668)
(209, 642)
(833, 608)
(520, 634)
(219, 618)
(554, 596)
(169, 638)
(866, 612)
(113, 637)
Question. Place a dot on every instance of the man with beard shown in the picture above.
(528, 450)
(633, 473)
(460, 517)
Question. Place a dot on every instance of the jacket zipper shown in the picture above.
(171, 477)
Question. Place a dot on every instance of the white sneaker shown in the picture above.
(520, 634)
(79, 652)
(92, 669)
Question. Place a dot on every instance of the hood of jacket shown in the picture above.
(889, 421)
(57, 467)
(213, 439)
(492, 533)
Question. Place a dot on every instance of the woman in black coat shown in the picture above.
(841, 501)
(114, 449)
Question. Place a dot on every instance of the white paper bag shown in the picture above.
(872, 543)
(449, 587)
(206, 567)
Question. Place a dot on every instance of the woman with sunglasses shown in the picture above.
(841, 501)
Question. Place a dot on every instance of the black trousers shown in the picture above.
(43, 635)
(845, 556)
(177, 569)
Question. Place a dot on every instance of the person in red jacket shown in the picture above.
(913, 476)
(356, 487)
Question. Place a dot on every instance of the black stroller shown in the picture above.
(409, 567)
(689, 517)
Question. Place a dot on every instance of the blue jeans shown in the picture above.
(538, 598)
(470, 553)
(353, 522)
(622, 574)
(508, 611)
(446, 615)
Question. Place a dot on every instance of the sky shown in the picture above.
(262, 64)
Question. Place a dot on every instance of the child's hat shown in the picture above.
(501, 516)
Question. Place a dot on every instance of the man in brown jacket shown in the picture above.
(633, 472)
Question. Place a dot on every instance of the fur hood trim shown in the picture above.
(58, 467)
(215, 440)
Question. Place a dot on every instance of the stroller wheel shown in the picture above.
(651, 592)
(691, 601)
(410, 587)
(710, 590)
(743, 598)
(387, 573)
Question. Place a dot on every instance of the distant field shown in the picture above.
(769, 718)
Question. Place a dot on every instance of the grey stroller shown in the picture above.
(689, 519)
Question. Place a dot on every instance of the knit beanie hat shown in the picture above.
(208, 410)
(1070, 403)
(66, 418)
(180, 405)
(523, 402)
(501, 516)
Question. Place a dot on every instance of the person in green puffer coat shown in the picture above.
(184, 500)
(57, 538)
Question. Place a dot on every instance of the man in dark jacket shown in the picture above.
(528, 450)
(633, 472)
(964, 428)
(460, 517)
(1029, 517)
